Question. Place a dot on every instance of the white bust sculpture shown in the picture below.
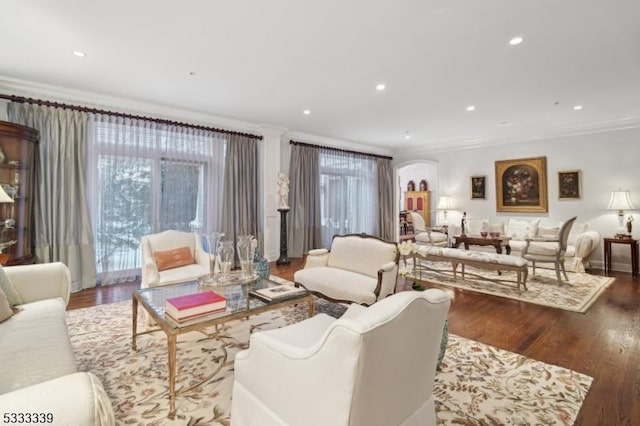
(283, 191)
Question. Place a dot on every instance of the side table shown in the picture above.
(633, 243)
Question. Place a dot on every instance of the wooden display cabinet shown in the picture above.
(419, 201)
(17, 177)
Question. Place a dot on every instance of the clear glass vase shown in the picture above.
(225, 259)
(245, 249)
(210, 246)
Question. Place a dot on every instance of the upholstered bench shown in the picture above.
(480, 260)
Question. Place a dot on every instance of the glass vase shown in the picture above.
(210, 244)
(225, 259)
(245, 255)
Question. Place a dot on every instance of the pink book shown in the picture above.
(196, 299)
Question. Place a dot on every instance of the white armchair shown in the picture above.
(549, 249)
(168, 240)
(374, 366)
(425, 235)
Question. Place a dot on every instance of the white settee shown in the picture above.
(359, 268)
(581, 243)
(37, 366)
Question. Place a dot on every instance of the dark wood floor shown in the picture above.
(604, 343)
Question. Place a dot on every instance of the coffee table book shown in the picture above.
(191, 306)
(277, 292)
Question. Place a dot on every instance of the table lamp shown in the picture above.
(621, 201)
(444, 204)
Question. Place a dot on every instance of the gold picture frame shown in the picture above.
(521, 185)
(569, 185)
(478, 187)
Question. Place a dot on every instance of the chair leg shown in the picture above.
(557, 265)
(534, 267)
(563, 270)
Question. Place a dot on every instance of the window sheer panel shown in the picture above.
(348, 194)
(150, 177)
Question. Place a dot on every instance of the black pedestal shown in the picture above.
(283, 259)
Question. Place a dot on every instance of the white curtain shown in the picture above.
(348, 194)
(146, 177)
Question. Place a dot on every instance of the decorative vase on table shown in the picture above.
(260, 265)
(210, 243)
(225, 259)
(245, 255)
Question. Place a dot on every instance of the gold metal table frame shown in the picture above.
(239, 305)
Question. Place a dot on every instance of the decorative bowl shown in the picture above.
(483, 234)
(494, 234)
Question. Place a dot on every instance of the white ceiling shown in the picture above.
(265, 61)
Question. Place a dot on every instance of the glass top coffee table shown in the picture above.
(239, 305)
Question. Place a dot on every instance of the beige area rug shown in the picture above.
(477, 385)
(577, 295)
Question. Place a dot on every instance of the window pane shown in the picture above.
(180, 191)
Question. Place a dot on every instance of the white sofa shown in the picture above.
(374, 366)
(359, 268)
(37, 365)
(581, 243)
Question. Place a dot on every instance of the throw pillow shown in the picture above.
(522, 229)
(548, 232)
(9, 290)
(173, 258)
(5, 309)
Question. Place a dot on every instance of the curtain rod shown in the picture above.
(330, 148)
(23, 100)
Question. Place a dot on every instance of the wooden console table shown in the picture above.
(471, 240)
(633, 243)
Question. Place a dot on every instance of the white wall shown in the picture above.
(608, 161)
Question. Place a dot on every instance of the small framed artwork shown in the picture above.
(521, 185)
(569, 185)
(478, 187)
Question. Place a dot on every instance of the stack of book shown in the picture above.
(192, 306)
(270, 294)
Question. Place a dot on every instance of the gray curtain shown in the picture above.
(305, 225)
(385, 193)
(62, 225)
(241, 211)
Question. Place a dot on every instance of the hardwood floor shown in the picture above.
(604, 343)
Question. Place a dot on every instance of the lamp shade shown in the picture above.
(444, 203)
(620, 200)
(4, 197)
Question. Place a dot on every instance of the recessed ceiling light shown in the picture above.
(79, 54)
(577, 107)
(306, 112)
(192, 73)
(407, 136)
(380, 87)
(515, 41)
(471, 108)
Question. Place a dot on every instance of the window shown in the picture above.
(348, 194)
(149, 178)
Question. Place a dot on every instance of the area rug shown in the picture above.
(576, 295)
(477, 384)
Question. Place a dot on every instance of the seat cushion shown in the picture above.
(338, 284)
(182, 274)
(35, 345)
(431, 238)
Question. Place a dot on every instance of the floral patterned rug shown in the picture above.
(477, 384)
(576, 295)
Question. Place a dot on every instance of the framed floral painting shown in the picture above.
(478, 187)
(521, 185)
(569, 185)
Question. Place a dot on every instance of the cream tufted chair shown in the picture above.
(375, 366)
(167, 240)
(427, 236)
(549, 250)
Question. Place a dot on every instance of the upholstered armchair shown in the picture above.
(172, 257)
(359, 268)
(425, 235)
(551, 249)
(374, 366)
